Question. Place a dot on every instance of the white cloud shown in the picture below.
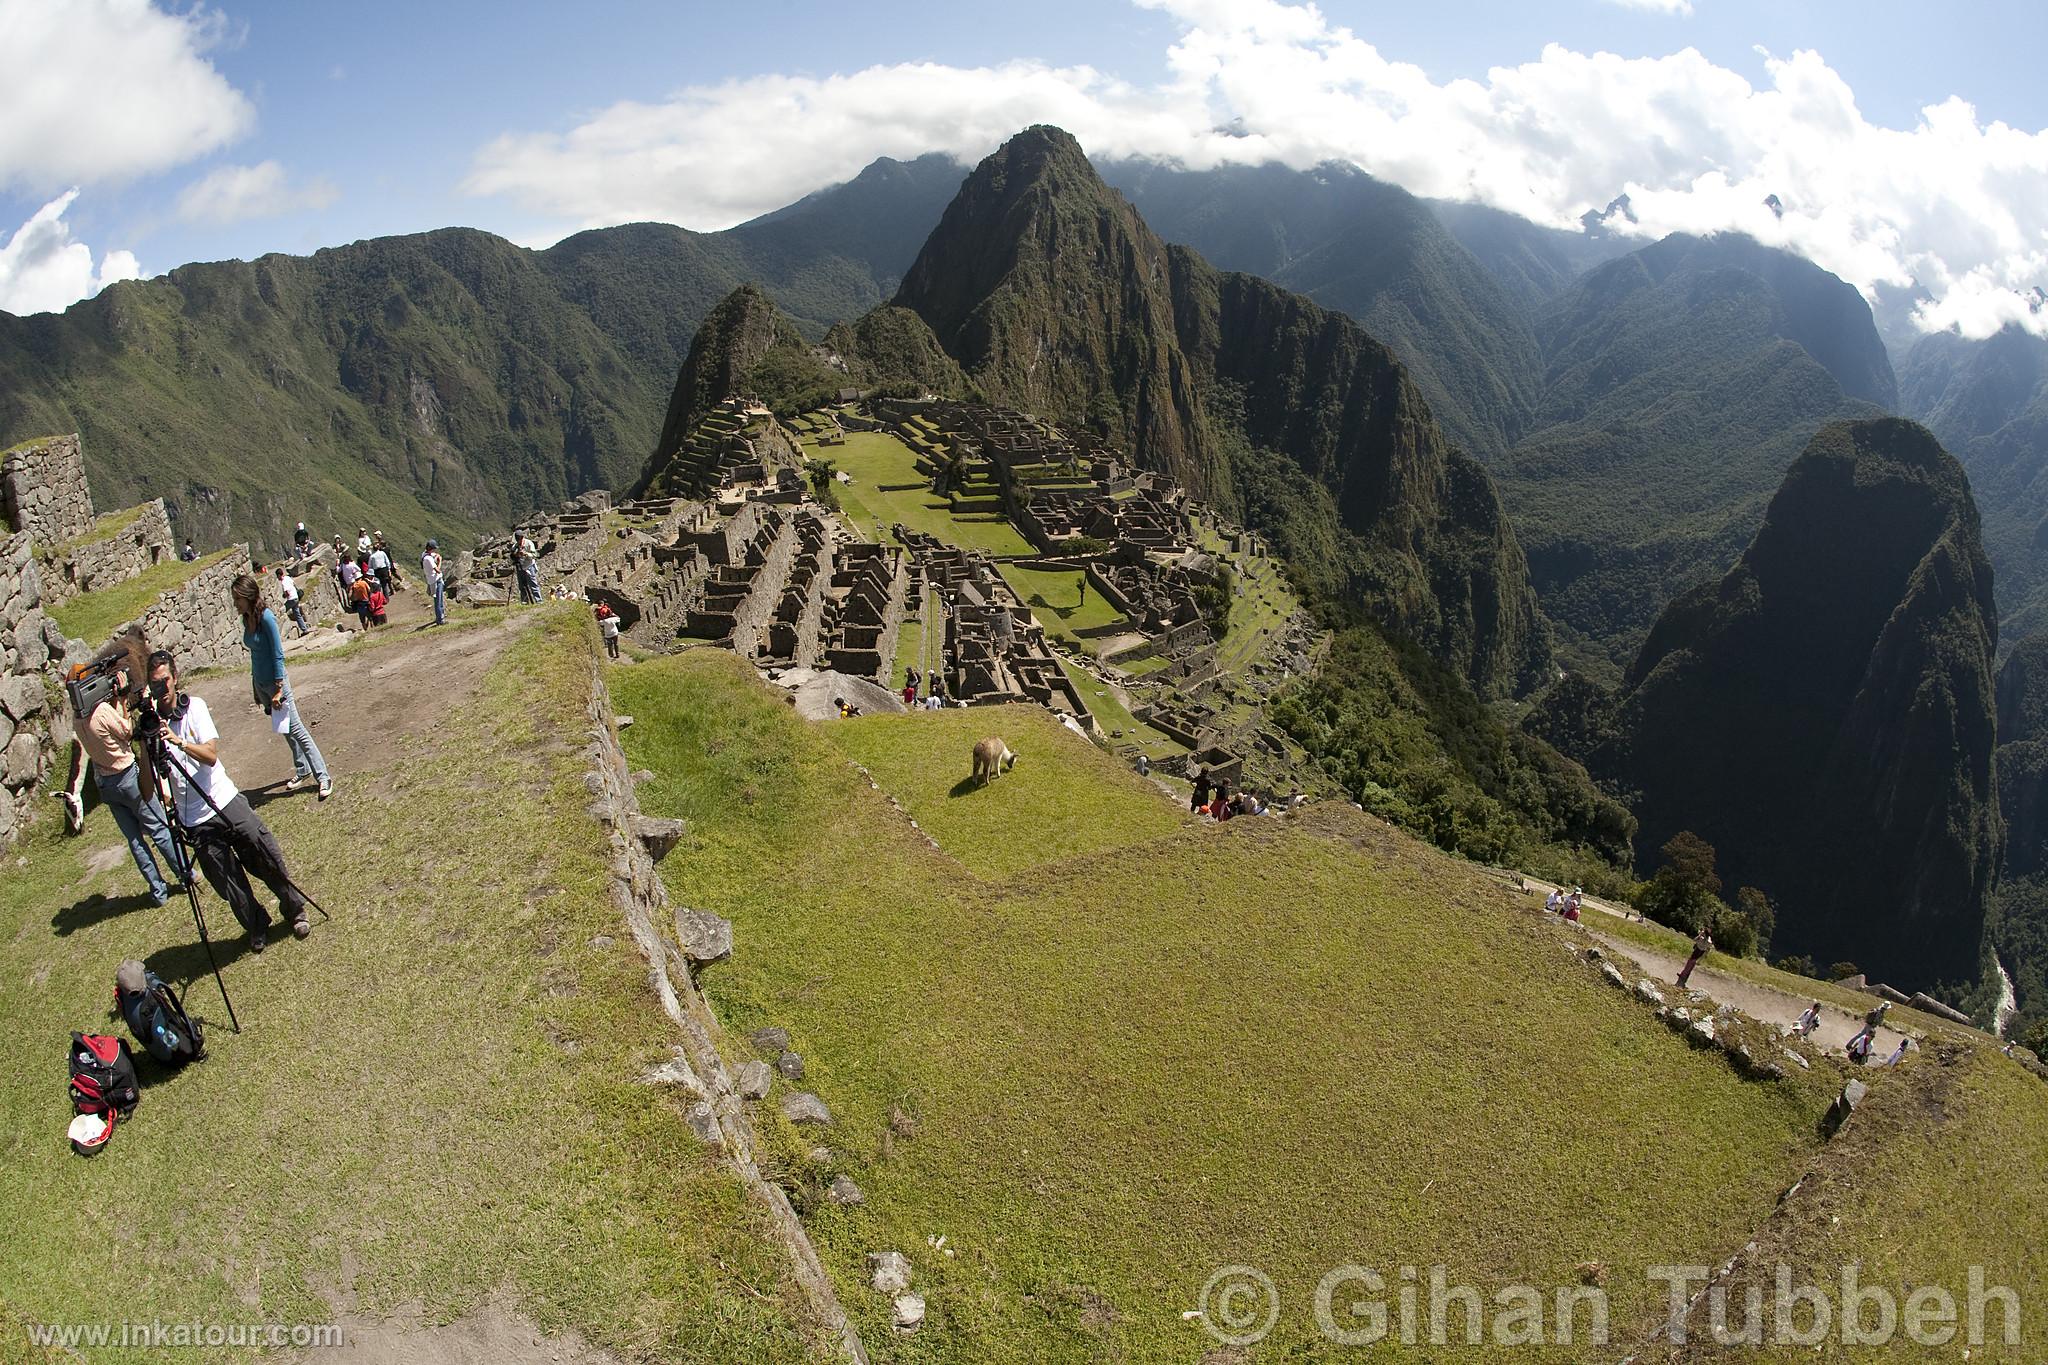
(43, 269)
(99, 90)
(231, 194)
(1958, 204)
(1682, 8)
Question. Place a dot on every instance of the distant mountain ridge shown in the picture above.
(435, 383)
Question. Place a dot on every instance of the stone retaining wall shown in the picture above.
(28, 641)
(43, 489)
(88, 566)
(197, 622)
(719, 1116)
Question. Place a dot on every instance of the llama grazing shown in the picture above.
(992, 756)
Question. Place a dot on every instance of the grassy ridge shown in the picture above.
(1105, 1075)
(433, 1099)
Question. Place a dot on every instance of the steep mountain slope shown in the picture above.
(1371, 250)
(2020, 909)
(1681, 381)
(1534, 264)
(1055, 296)
(1988, 401)
(437, 382)
(1824, 716)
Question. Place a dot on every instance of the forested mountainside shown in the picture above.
(436, 382)
(1823, 715)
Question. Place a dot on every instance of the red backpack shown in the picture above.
(103, 1076)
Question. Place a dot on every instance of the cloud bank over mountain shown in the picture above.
(1954, 205)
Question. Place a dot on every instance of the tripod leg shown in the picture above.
(211, 960)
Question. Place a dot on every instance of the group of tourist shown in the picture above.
(1561, 904)
(227, 839)
(1212, 797)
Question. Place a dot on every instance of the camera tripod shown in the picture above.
(186, 840)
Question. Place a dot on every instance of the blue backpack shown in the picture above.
(157, 1018)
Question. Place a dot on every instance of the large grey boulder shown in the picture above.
(791, 1065)
(657, 835)
(844, 1192)
(477, 593)
(22, 696)
(769, 1039)
(703, 936)
(804, 1107)
(753, 1080)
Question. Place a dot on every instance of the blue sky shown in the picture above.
(328, 122)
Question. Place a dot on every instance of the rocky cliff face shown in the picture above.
(731, 342)
(1824, 714)
(1051, 293)
(1055, 297)
(2023, 756)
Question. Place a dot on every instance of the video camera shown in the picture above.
(89, 684)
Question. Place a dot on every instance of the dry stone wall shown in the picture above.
(89, 565)
(43, 489)
(197, 622)
(28, 712)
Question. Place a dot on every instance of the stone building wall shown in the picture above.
(197, 622)
(28, 642)
(88, 566)
(43, 489)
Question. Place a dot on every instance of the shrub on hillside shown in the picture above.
(1685, 892)
(1801, 965)
(1842, 971)
(1762, 916)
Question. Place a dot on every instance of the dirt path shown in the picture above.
(364, 710)
(1766, 1003)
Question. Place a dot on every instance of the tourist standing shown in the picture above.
(272, 689)
(359, 596)
(289, 588)
(526, 567)
(362, 540)
(106, 738)
(380, 565)
(233, 841)
(437, 583)
(608, 627)
(1702, 944)
(1201, 796)
(302, 541)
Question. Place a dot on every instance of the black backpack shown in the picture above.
(103, 1076)
(157, 1018)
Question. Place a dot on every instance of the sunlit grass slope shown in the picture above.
(1121, 1049)
(434, 1100)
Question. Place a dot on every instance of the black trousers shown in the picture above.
(235, 843)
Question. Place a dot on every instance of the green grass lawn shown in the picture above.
(433, 1101)
(1104, 1051)
(874, 459)
(1942, 1170)
(1082, 801)
(1057, 599)
(92, 616)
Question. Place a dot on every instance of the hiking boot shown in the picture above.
(301, 925)
(326, 788)
(258, 940)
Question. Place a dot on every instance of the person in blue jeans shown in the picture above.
(272, 689)
(107, 740)
(437, 581)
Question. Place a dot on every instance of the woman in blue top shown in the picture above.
(273, 691)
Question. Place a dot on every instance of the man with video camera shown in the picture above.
(105, 695)
(232, 841)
